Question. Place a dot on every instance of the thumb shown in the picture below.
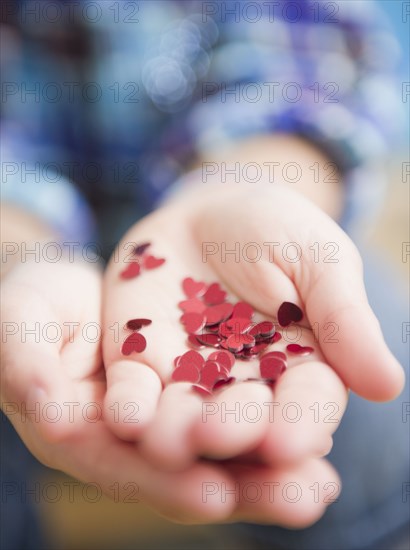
(336, 300)
(332, 294)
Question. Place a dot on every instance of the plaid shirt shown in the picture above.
(112, 101)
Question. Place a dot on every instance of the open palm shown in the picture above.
(192, 234)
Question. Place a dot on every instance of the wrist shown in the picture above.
(284, 159)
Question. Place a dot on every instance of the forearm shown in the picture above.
(273, 153)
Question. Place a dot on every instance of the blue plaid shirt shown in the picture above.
(107, 103)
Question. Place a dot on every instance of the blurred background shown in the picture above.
(135, 133)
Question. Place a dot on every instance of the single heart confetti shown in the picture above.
(242, 309)
(141, 248)
(224, 358)
(192, 288)
(271, 367)
(212, 340)
(151, 262)
(193, 305)
(193, 322)
(192, 358)
(299, 350)
(218, 313)
(210, 374)
(288, 313)
(137, 324)
(132, 270)
(135, 342)
(186, 373)
(265, 329)
(214, 295)
(193, 342)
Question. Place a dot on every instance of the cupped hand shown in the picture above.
(53, 386)
(211, 234)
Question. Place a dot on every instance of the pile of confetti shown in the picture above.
(211, 320)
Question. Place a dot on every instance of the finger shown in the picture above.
(133, 390)
(233, 422)
(294, 497)
(168, 443)
(138, 377)
(92, 452)
(308, 403)
(153, 295)
(123, 474)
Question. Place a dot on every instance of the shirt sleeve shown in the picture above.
(325, 71)
(42, 189)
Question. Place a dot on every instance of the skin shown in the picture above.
(167, 453)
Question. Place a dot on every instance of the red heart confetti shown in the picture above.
(224, 358)
(224, 330)
(141, 248)
(242, 309)
(216, 314)
(299, 350)
(151, 262)
(193, 322)
(212, 321)
(236, 342)
(186, 373)
(137, 324)
(239, 325)
(192, 288)
(194, 342)
(271, 368)
(229, 326)
(135, 342)
(193, 305)
(144, 261)
(192, 358)
(210, 374)
(265, 329)
(288, 313)
(132, 270)
(257, 348)
(214, 295)
(209, 339)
